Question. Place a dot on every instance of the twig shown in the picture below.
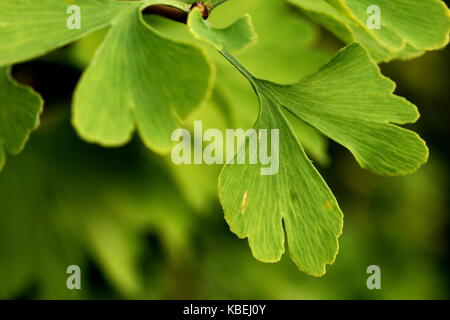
(169, 12)
(180, 15)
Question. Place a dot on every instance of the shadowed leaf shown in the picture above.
(19, 114)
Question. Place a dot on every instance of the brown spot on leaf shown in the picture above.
(328, 205)
(244, 201)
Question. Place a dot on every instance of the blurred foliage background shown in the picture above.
(142, 228)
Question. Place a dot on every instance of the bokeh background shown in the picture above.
(140, 227)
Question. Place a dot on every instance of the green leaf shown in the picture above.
(405, 24)
(313, 141)
(87, 208)
(281, 59)
(32, 28)
(404, 21)
(19, 114)
(284, 49)
(105, 231)
(139, 79)
(35, 244)
(235, 37)
(349, 101)
(256, 206)
(296, 198)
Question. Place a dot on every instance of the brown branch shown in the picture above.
(175, 13)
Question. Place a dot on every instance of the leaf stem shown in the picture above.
(168, 12)
(245, 72)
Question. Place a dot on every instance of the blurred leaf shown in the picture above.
(405, 30)
(19, 114)
(32, 28)
(403, 21)
(197, 183)
(285, 48)
(283, 53)
(235, 37)
(89, 206)
(114, 248)
(35, 246)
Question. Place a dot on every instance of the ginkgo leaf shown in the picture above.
(349, 101)
(235, 37)
(407, 20)
(343, 27)
(19, 114)
(404, 30)
(256, 206)
(315, 143)
(138, 78)
(279, 58)
(284, 49)
(141, 79)
(32, 28)
(296, 200)
(352, 103)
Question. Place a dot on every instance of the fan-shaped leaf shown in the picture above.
(139, 78)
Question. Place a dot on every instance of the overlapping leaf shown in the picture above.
(137, 79)
(284, 51)
(256, 206)
(349, 101)
(236, 37)
(31, 28)
(19, 114)
(141, 79)
(405, 24)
